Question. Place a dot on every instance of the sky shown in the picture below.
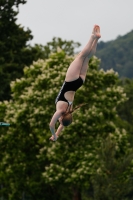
(74, 19)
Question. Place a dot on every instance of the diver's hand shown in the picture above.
(53, 138)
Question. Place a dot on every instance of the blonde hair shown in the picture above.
(67, 116)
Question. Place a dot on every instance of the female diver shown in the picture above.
(74, 79)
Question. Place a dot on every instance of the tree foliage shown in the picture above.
(67, 46)
(115, 181)
(14, 48)
(30, 164)
(13, 40)
(117, 54)
(125, 110)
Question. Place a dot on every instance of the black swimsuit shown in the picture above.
(68, 86)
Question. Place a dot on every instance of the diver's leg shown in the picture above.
(84, 68)
(81, 60)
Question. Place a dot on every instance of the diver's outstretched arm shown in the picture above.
(54, 119)
(60, 128)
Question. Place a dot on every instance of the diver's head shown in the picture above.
(66, 119)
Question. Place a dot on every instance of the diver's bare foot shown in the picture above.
(96, 31)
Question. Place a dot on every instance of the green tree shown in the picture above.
(32, 165)
(21, 169)
(117, 54)
(125, 110)
(114, 179)
(67, 46)
(14, 48)
(82, 141)
(13, 40)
